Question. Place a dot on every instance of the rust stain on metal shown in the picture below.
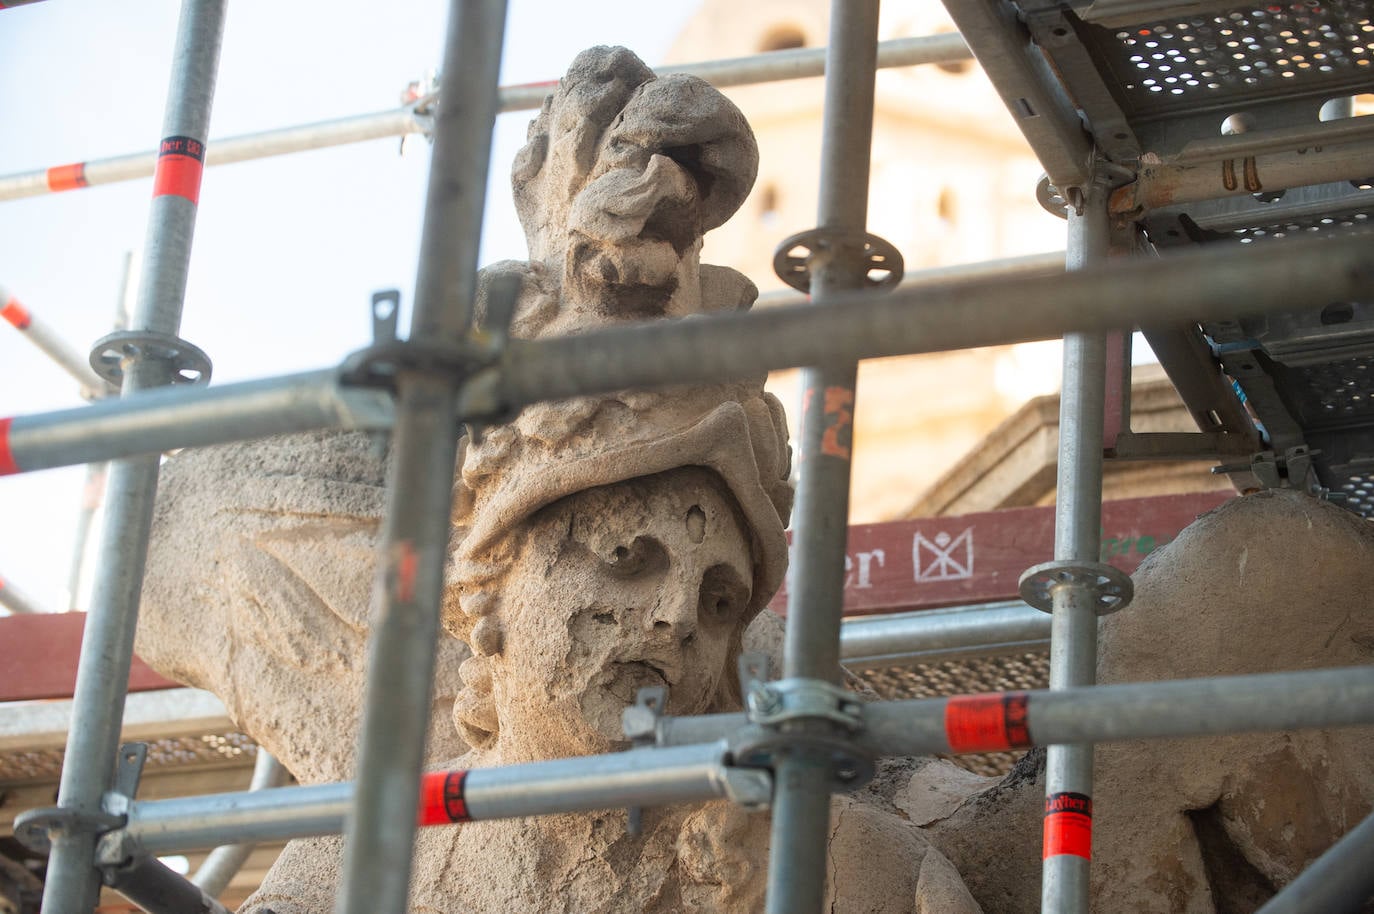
(1228, 175)
(1252, 181)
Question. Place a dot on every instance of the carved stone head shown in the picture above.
(622, 174)
(613, 542)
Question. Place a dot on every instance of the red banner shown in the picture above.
(977, 558)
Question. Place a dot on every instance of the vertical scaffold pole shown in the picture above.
(380, 831)
(801, 802)
(72, 883)
(1077, 537)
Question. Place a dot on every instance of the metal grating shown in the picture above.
(1337, 224)
(1247, 51)
(163, 753)
(1358, 490)
(1334, 392)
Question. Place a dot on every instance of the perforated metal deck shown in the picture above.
(1232, 124)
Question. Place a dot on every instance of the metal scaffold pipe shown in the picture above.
(16, 601)
(691, 763)
(158, 889)
(1105, 713)
(760, 68)
(72, 882)
(935, 318)
(37, 331)
(224, 862)
(1340, 881)
(414, 548)
(1067, 835)
(641, 777)
(956, 315)
(801, 803)
(170, 418)
(937, 635)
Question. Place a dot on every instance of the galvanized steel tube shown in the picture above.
(1188, 286)
(801, 801)
(37, 331)
(157, 889)
(224, 862)
(414, 548)
(16, 601)
(936, 635)
(1077, 537)
(72, 883)
(1340, 881)
(770, 67)
(640, 777)
(683, 772)
(169, 418)
(1309, 699)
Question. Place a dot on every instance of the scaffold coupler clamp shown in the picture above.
(381, 364)
(751, 788)
(783, 717)
(797, 256)
(421, 98)
(640, 724)
(1110, 587)
(35, 827)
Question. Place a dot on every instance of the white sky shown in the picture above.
(287, 250)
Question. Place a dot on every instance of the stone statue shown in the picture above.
(1271, 582)
(601, 544)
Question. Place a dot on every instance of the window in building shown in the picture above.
(768, 204)
(782, 37)
(947, 207)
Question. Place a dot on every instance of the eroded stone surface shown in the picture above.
(606, 543)
(1271, 582)
(257, 586)
(601, 544)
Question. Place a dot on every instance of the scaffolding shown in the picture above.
(1122, 153)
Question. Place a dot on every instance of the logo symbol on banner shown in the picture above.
(945, 558)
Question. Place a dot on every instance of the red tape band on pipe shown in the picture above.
(180, 164)
(441, 798)
(1068, 825)
(67, 177)
(7, 463)
(987, 723)
(16, 314)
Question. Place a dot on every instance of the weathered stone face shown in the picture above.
(643, 583)
(621, 176)
(600, 545)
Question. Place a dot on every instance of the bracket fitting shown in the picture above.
(881, 262)
(1111, 587)
(34, 827)
(382, 363)
(1291, 470)
(188, 364)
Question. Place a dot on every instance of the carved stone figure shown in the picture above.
(1271, 582)
(600, 544)
(603, 544)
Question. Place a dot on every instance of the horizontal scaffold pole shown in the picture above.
(693, 765)
(770, 67)
(923, 318)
